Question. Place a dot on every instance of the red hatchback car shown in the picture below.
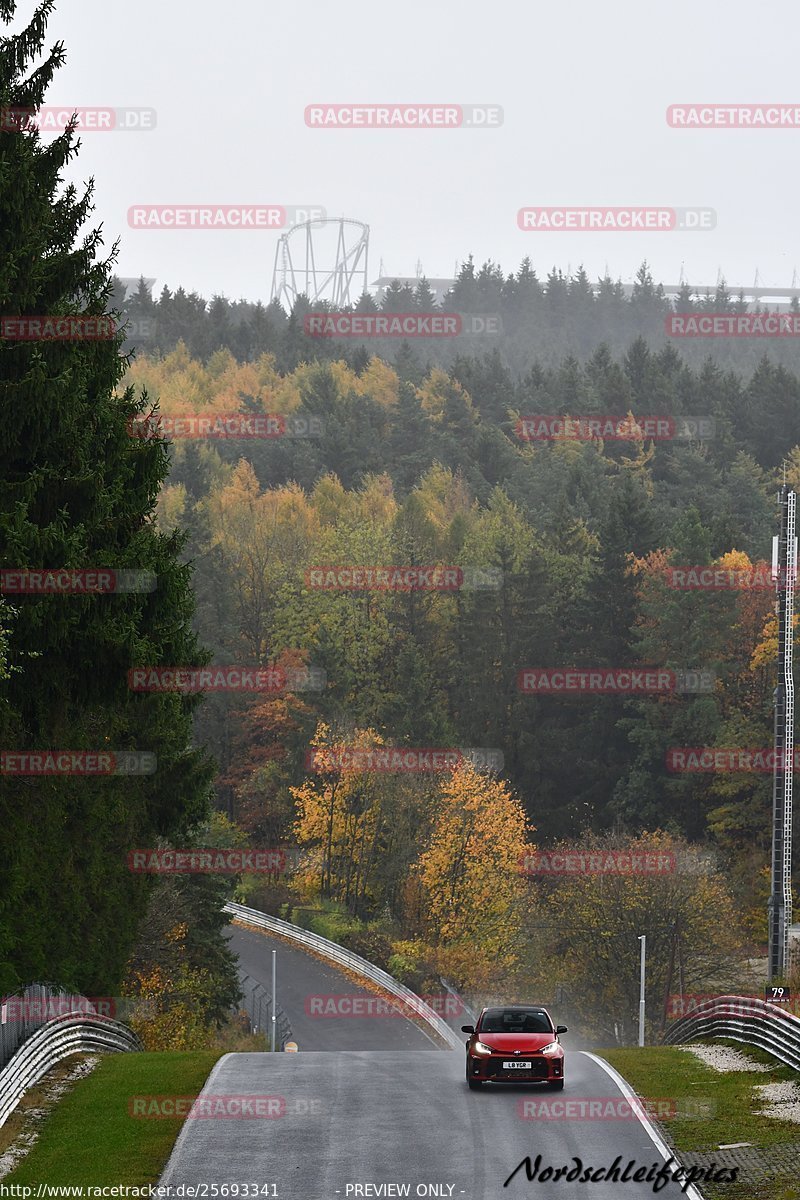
(515, 1044)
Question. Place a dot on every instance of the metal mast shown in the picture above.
(784, 569)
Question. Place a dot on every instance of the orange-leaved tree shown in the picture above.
(471, 886)
(361, 828)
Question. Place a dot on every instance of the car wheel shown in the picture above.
(556, 1084)
(475, 1084)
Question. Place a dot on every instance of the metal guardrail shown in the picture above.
(28, 1009)
(77, 1033)
(353, 962)
(744, 1019)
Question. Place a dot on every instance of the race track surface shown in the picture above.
(343, 1125)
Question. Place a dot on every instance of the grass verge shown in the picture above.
(89, 1138)
(713, 1108)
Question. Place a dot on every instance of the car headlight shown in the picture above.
(481, 1048)
(551, 1049)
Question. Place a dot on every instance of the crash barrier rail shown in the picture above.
(256, 1003)
(30, 1008)
(360, 966)
(76, 1033)
(745, 1019)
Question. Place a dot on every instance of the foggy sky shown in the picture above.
(584, 88)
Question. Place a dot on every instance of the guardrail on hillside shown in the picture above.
(742, 1019)
(30, 1008)
(353, 962)
(76, 1033)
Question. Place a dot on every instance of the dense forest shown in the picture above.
(533, 320)
(426, 467)
(416, 464)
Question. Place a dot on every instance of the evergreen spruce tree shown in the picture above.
(77, 491)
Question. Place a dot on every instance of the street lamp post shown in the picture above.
(274, 998)
(642, 962)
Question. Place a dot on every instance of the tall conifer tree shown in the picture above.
(77, 491)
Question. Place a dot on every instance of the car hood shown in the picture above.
(527, 1042)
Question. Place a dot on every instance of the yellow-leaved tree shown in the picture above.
(472, 895)
(262, 538)
(360, 828)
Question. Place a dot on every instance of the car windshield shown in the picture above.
(515, 1020)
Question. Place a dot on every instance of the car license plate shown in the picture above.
(522, 1066)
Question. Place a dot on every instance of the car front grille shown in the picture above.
(494, 1069)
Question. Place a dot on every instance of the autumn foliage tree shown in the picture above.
(472, 891)
(594, 919)
(361, 828)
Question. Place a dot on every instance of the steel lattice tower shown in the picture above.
(784, 566)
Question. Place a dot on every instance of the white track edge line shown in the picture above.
(692, 1191)
(184, 1129)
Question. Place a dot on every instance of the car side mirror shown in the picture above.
(561, 1029)
(467, 1028)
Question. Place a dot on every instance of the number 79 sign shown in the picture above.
(778, 995)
